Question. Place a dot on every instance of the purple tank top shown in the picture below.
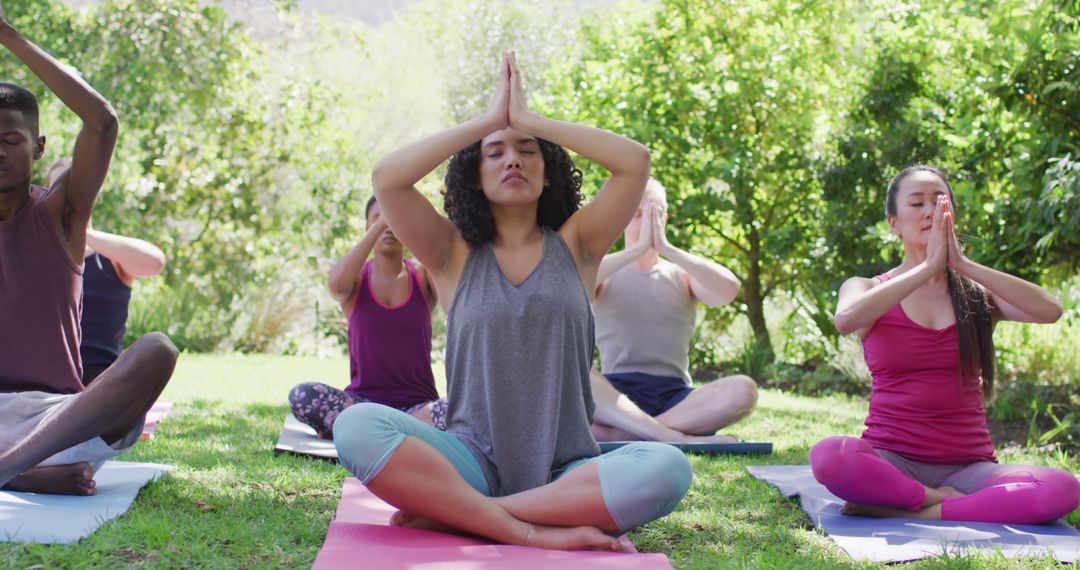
(390, 347)
(40, 304)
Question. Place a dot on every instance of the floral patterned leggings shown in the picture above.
(318, 405)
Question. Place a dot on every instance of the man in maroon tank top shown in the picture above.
(53, 433)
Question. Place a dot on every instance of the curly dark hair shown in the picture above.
(468, 208)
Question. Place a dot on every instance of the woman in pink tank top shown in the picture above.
(926, 329)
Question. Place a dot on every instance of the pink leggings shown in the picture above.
(1011, 494)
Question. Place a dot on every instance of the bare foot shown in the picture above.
(550, 537)
(936, 496)
(717, 438)
(572, 538)
(879, 511)
(608, 433)
(74, 479)
(408, 520)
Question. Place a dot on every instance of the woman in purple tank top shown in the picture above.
(926, 329)
(387, 301)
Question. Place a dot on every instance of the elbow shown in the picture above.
(1055, 312)
(108, 125)
(843, 324)
(338, 290)
(380, 178)
(642, 160)
(157, 264)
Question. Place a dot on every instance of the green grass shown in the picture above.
(232, 503)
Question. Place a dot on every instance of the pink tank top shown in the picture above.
(390, 347)
(40, 304)
(919, 408)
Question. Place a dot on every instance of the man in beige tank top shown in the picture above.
(646, 309)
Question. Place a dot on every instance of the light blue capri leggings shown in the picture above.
(640, 482)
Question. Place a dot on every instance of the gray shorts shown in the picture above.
(21, 412)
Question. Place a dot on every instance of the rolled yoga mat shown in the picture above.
(742, 447)
(360, 537)
(903, 539)
(64, 519)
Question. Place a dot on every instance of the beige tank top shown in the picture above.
(644, 322)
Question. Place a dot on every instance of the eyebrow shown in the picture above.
(921, 193)
(524, 140)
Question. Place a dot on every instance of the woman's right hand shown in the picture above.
(937, 247)
(498, 113)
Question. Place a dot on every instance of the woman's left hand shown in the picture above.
(956, 254)
(519, 106)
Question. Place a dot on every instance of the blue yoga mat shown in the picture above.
(741, 447)
(903, 539)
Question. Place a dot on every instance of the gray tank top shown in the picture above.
(517, 367)
(644, 322)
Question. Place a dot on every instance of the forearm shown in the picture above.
(75, 93)
(1027, 297)
(344, 275)
(859, 310)
(620, 156)
(135, 256)
(616, 261)
(712, 283)
(403, 168)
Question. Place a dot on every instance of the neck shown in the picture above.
(515, 226)
(913, 256)
(389, 263)
(12, 201)
(648, 260)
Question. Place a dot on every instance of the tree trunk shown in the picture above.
(755, 301)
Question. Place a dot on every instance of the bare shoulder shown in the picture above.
(858, 285)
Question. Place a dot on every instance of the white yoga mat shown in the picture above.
(63, 519)
(903, 540)
(300, 439)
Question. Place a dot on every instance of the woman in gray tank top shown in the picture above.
(517, 463)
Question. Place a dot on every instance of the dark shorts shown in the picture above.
(653, 394)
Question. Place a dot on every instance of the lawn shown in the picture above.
(232, 503)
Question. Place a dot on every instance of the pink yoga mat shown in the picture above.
(156, 413)
(360, 537)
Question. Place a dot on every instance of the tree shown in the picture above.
(732, 99)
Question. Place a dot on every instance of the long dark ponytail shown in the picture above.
(970, 302)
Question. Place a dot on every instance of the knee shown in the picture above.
(299, 394)
(158, 346)
(1060, 495)
(831, 459)
(665, 477)
(365, 436)
(744, 390)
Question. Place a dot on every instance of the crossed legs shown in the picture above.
(110, 408)
(431, 476)
(696, 418)
(982, 492)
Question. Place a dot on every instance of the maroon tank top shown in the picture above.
(390, 347)
(40, 304)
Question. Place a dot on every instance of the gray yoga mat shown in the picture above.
(742, 447)
(903, 540)
(299, 439)
(62, 519)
